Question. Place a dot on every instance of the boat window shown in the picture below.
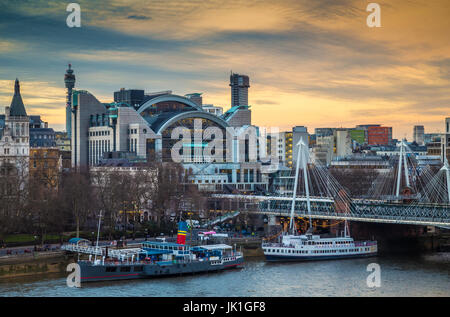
(138, 268)
(111, 269)
(125, 269)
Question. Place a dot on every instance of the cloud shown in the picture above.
(139, 17)
(316, 60)
(265, 102)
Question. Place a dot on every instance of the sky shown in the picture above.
(312, 63)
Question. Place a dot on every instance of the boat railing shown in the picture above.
(365, 243)
(279, 245)
(82, 249)
(323, 246)
(271, 244)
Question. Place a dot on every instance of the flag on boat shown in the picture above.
(182, 231)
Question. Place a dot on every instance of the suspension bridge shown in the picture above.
(400, 196)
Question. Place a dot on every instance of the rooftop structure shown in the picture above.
(17, 109)
(239, 89)
(69, 81)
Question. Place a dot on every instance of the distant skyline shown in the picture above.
(311, 63)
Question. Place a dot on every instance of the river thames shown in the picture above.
(418, 275)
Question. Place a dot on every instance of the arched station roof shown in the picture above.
(189, 114)
(168, 97)
(163, 120)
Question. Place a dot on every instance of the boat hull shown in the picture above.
(96, 273)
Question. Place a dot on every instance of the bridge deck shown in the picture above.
(355, 210)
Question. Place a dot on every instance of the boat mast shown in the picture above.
(98, 234)
(346, 229)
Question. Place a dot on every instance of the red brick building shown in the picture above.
(379, 135)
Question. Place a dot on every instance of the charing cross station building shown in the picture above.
(139, 127)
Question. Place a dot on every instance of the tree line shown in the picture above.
(151, 197)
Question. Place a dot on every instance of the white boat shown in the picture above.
(314, 247)
(293, 247)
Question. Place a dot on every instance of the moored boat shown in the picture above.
(314, 247)
(152, 259)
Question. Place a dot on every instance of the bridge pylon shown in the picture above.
(402, 165)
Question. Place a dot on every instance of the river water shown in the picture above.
(421, 275)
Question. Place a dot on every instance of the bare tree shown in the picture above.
(76, 192)
(112, 190)
(13, 179)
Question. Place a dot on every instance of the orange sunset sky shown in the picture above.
(313, 63)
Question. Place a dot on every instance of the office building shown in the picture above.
(343, 143)
(45, 165)
(62, 141)
(196, 97)
(440, 143)
(42, 137)
(40, 134)
(321, 132)
(377, 135)
(238, 116)
(282, 146)
(358, 136)
(431, 137)
(323, 150)
(102, 133)
(419, 134)
(239, 89)
(298, 133)
(130, 97)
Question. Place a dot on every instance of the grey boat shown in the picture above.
(152, 259)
